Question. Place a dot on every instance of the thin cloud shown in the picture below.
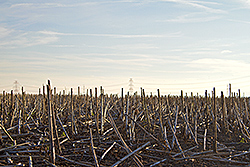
(207, 2)
(226, 51)
(22, 5)
(28, 41)
(4, 31)
(186, 19)
(239, 21)
(50, 5)
(247, 2)
(197, 4)
(193, 18)
(220, 66)
(142, 62)
(120, 58)
(71, 61)
(176, 34)
(63, 46)
(208, 9)
(132, 47)
(67, 5)
(15, 39)
(54, 33)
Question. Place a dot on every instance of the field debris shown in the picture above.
(90, 130)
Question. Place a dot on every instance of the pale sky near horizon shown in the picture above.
(172, 45)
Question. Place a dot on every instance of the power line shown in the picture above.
(4, 86)
(193, 83)
(119, 84)
(30, 86)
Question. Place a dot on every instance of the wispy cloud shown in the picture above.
(245, 2)
(191, 18)
(26, 40)
(50, 5)
(4, 32)
(218, 66)
(63, 46)
(175, 34)
(226, 51)
(16, 38)
(135, 62)
(54, 33)
(39, 5)
(239, 21)
(132, 47)
(198, 5)
(208, 2)
(107, 61)
(208, 9)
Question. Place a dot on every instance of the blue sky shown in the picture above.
(172, 45)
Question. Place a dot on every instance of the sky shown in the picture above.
(171, 45)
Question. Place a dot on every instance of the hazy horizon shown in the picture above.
(171, 45)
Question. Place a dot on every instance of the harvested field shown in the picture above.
(129, 130)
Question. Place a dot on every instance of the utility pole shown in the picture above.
(227, 90)
(230, 90)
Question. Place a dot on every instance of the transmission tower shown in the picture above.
(16, 87)
(83, 89)
(131, 86)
